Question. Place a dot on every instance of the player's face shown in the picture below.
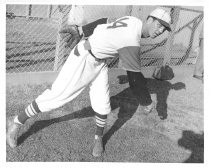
(156, 29)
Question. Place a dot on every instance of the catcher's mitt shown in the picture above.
(71, 35)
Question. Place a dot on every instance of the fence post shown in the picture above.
(49, 11)
(195, 24)
(29, 11)
(128, 10)
(169, 44)
(60, 44)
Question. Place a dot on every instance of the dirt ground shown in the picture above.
(181, 100)
(130, 135)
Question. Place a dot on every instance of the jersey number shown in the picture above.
(118, 23)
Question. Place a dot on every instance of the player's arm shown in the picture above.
(72, 34)
(88, 29)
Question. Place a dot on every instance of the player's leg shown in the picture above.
(100, 101)
(75, 75)
(65, 88)
(138, 85)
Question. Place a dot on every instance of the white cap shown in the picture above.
(163, 17)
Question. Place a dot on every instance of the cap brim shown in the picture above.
(165, 24)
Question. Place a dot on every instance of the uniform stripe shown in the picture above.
(100, 125)
(100, 122)
(30, 111)
(27, 113)
(32, 108)
(100, 119)
(35, 106)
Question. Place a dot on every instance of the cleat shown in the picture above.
(12, 130)
(98, 147)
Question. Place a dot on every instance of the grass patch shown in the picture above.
(66, 134)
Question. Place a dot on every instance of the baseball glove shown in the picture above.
(71, 35)
(164, 72)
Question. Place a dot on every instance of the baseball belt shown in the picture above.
(87, 46)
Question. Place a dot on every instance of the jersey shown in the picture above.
(120, 38)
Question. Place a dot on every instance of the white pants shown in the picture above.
(77, 73)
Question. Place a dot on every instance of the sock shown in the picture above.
(100, 124)
(30, 111)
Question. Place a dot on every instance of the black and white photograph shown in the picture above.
(99, 82)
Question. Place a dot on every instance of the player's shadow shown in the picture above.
(161, 89)
(128, 105)
(41, 124)
(125, 101)
(195, 143)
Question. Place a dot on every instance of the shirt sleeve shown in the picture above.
(89, 28)
(130, 58)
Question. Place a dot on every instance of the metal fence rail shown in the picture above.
(33, 43)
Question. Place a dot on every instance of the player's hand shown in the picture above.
(71, 35)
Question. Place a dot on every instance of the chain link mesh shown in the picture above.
(33, 43)
(30, 38)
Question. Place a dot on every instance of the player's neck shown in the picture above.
(144, 32)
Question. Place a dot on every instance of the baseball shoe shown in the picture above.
(98, 147)
(148, 109)
(12, 130)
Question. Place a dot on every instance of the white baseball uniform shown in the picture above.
(81, 69)
(120, 37)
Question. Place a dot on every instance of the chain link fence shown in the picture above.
(31, 38)
(33, 43)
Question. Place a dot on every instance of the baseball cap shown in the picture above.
(163, 17)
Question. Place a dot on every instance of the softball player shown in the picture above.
(86, 66)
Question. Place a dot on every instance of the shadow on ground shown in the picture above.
(39, 125)
(124, 100)
(161, 90)
(195, 143)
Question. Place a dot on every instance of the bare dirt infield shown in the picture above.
(66, 134)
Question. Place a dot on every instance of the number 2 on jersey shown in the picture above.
(118, 23)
